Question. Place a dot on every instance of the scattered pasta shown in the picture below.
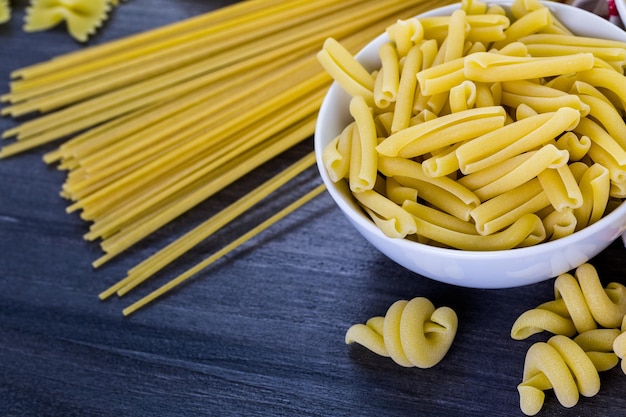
(516, 111)
(581, 304)
(587, 321)
(564, 366)
(413, 333)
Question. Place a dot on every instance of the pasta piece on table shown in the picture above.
(412, 333)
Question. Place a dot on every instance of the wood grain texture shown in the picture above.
(261, 333)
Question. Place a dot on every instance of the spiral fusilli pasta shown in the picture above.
(581, 304)
(412, 333)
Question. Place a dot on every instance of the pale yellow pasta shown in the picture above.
(580, 304)
(492, 67)
(443, 163)
(363, 159)
(5, 11)
(346, 70)
(598, 345)
(82, 17)
(541, 98)
(401, 167)
(547, 157)
(606, 116)
(506, 208)
(619, 345)
(526, 231)
(398, 193)
(515, 138)
(576, 146)
(405, 34)
(473, 7)
(613, 81)
(407, 88)
(392, 219)
(395, 143)
(442, 77)
(559, 224)
(595, 187)
(617, 172)
(561, 365)
(530, 23)
(438, 217)
(450, 135)
(439, 197)
(412, 333)
(389, 75)
(462, 96)
(455, 39)
(336, 155)
(602, 138)
(561, 188)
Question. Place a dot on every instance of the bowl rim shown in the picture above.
(355, 214)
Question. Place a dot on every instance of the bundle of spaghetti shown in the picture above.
(153, 124)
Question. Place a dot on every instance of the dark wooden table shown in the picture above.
(261, 333)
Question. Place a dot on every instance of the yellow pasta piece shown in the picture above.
(515, 138)
(5, 11)
(580, 304)
(346, 70)
(530, 23)
(444, 162)
(613, 81)
(619, 345)
(559, 224)
(561, 188)
(595, 188)
(442, 77)
(83, 17)
(492, 67)
(598, 135)
(389, 75)
(405, 34)
(455, 39)
(412, 333)
(547, 157)
(462, 96)
(336, 156)
(607, 116)
(393, 220)
(561, 365)
(407, 89)
(398, 193)
(598, 345)
(576, 146)
(541, 98)
(438, 217)
(401, 167)
(363, 160)
(506, 208)
(528, 230)
(395, 143)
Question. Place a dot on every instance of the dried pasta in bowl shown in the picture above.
(471, 111)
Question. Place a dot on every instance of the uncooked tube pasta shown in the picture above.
(363, 158)
(391, 218)
(499, 114)
(412, 333)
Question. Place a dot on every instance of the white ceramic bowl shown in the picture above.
(475, 269)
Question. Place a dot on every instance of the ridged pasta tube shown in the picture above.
(413, 333)
(564, 365)
(581, 304)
